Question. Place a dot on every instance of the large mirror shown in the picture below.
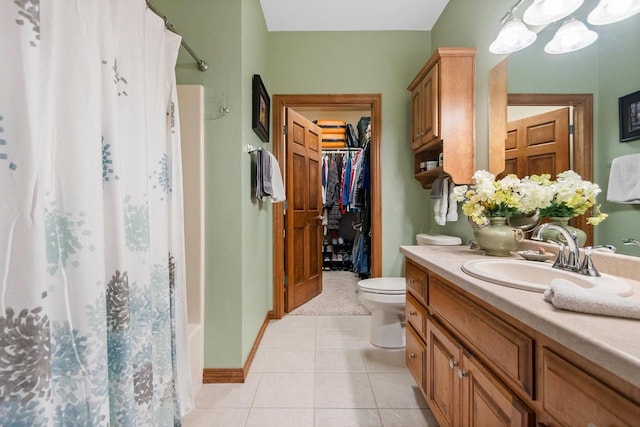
(589, 82)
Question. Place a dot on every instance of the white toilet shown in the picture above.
(386, 298)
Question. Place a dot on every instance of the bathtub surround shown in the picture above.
(94, 322)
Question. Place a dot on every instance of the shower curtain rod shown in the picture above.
(202, 65)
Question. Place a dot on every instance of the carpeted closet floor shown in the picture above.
(338, 297)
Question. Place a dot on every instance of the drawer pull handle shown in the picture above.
(592, 425)
(413, 313)
(412, 356)
(452, 364)
(462, 373)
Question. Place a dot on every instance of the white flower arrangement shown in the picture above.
(571, 196)
(568, 196)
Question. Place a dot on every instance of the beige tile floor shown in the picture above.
(317, 371)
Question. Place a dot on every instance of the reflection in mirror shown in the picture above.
(597, 76)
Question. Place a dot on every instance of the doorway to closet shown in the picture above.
(337, 259)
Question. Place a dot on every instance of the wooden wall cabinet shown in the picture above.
(443, 115)
(475, 366)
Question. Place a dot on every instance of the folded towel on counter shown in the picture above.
(624, 179)
(567, 295)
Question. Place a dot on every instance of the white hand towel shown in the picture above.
(440, 205)
(624, 179)
(566, 295)
(452, 211)
(278, 194)
(436, 188)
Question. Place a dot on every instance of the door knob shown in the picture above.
(452, 363)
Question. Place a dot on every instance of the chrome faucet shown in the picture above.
(572, 263)
(587, 267)
(631, 241)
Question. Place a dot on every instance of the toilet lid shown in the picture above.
(384, 285)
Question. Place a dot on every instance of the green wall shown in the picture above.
(231, 36)
(366, 62)
(471, 23)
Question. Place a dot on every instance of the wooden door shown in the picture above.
(303, 257)
(486, 402)
(538, 144)
(443, 385)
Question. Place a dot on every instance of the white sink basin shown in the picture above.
(537, 276)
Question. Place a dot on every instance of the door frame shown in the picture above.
(373, 102)
(582, 158)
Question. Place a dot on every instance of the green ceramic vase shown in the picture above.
(564, 222)
(497, 238)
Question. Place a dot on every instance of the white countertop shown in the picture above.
(610, 342)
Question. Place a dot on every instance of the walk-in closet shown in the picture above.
(346, 198)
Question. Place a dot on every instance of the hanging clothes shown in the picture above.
(346, 186)
(333, 196)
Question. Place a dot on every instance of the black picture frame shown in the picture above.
(260, 117)
(629, 110)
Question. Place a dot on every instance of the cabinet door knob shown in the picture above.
(452, 363)
(413, 313)
(592, 425)
(462, 373)
(411, 280)
(412, 356)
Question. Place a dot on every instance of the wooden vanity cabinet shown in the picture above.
(463, 392)
(572, 397)
(443, 115)
(460, 389)
(482, 367)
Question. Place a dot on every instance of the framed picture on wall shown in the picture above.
(629, 117)
(261, 105)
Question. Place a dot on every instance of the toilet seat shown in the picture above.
(384, 285)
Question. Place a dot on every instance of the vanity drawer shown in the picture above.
(417, 280)
(416, 315)
(415, 356)
(574, 398)
(506, 348)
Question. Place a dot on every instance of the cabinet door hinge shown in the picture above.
(285, 130)
(572, 129)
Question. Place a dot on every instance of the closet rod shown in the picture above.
(341, 151)
(202, 65)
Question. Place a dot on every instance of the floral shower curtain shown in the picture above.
(92, 282)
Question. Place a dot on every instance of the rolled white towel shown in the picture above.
(567, 295)
(440, 206)
(452, 210)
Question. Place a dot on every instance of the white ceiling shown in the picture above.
(351, 15)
